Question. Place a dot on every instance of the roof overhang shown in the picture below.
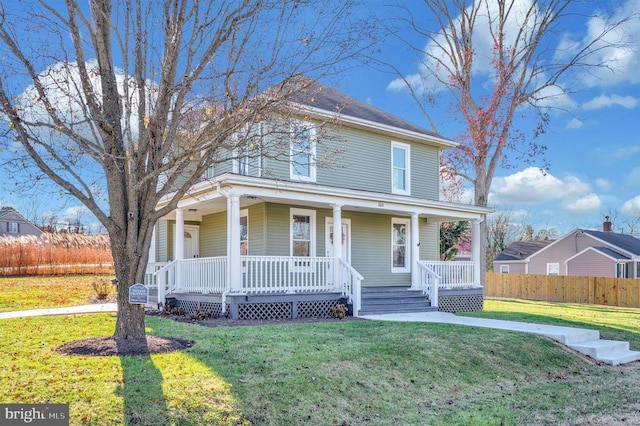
(211, 196)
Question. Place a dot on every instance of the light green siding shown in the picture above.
(213, 235)
(162, 241)
(429, 240)
(425, 172)
(257, 228)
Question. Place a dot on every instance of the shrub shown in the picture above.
(339, 311)
(102, 287)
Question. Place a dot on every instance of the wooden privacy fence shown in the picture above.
(624, 292)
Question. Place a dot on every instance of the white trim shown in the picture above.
(407, 170)
(504, 269)
(312, 229)
(581, 252)
(328, 220)
(552, 264)
(407, 244)
(311, 128)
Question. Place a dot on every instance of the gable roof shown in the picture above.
(624, 242)
(520, 250)
(320, 98)
(606, 251)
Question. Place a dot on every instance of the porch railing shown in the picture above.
(351, 283)
(287, 274)
(429, 283)
(453, 275)
(206, 275)
(150, 276)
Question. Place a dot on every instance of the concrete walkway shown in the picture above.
(582, 340)
(70, 310)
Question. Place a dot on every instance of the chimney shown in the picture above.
(607, 225)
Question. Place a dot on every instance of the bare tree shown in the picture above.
(497, 60)
(124, 102)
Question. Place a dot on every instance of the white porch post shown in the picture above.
(152, 249)
(234, 268)
(415, 251)
(476, 245)
(179, 237)
(337, 244)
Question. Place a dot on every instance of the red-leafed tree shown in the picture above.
(497, 60)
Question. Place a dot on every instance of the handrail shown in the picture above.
(429, 283)
(165, 279)
(454, 274)
(351, 285)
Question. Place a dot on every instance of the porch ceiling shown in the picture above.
(211, 197)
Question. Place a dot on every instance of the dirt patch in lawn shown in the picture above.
(110, 346)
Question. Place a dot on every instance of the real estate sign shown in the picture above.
(138, 294)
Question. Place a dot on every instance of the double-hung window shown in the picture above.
(13, 227)
(400, 170)
(400, 245)
(248, 151)
(303, 235)
(553, 269)
(303, 151)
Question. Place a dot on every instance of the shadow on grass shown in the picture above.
(141, 390)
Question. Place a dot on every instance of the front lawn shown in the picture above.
(343, 373)
(20, 293)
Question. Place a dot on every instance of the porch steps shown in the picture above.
(389, 300)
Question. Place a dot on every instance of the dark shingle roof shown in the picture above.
(624, 242)
(522, 249)
(311, 93)
(612, 253)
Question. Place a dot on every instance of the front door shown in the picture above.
(330, 238)
(191, 241)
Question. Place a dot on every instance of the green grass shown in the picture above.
(19, 293)
(357, 373)
(612, 322)
(351, 372)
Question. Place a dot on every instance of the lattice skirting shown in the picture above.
(191, 306)
(286, 310)
(461, 303)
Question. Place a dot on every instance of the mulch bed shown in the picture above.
(109, 346)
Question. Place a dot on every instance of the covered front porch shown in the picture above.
(246, 225)
(316, 283)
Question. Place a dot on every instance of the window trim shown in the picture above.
(15, 229)
(504, 269)
(407, 243)
(407, 158)
(235, 164)
(552, 264)
(312, 148)
(312, 229)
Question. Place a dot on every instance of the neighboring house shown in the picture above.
(582, 252)
(13, 223)
(284, 258)
(513, 259)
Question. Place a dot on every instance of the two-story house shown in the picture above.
(265, 237)
(14, 224)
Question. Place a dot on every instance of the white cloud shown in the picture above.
(632, 206)
(574, 123)
(531, 186)
(588, 204)
(605, 101)
(604, 184)
(633, 178)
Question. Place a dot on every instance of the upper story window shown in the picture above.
(400, 245)
(13, 227)
(248, 152)
(400, 171)
(303, 151)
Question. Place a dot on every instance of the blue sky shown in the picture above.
(593, 147)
